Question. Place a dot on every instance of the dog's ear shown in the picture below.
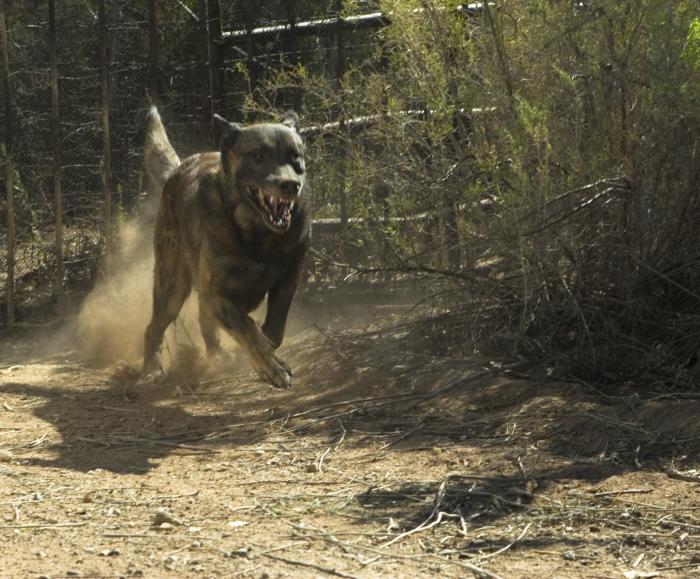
(291, 120)
(229, 131)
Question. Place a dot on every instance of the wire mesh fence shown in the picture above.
(80, 78)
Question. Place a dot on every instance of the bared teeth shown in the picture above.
(278, 210)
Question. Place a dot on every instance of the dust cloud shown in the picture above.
(114, 316)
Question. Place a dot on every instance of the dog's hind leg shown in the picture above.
(171, 287)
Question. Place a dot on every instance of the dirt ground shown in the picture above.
(387, 458)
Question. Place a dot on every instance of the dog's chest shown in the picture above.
(240, 272)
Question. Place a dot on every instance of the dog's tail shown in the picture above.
(160, 159)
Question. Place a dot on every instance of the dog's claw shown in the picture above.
(152, 369)
(277, 373)
(286, 366)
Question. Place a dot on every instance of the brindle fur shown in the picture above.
(211, 236)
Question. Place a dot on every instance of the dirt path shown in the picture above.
(381, 461)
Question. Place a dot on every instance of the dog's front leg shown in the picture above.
(279, 300)
(256, 345)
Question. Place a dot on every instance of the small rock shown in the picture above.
(568, 556)
(163, 526)
(162, 517)
(109, 553)
(234, 524)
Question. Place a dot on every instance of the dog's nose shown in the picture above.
(290, 187)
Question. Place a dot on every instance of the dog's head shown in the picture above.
(264, 165)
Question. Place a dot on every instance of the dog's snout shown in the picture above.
(290, 187)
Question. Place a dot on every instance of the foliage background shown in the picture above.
(549, 149)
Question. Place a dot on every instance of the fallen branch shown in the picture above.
(43, 526)
(508, 546)
(309, 566)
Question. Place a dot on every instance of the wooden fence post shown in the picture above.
(56, 169)
(153, 50)
(291, 46)
(216, 56)
(248, 7)
(204, 79)
(8, 168)
(106, 141)
(339, 72)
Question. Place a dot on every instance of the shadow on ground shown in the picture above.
(368, 386)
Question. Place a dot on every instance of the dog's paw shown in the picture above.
(276, 372)
(152, 365)
(152, 371)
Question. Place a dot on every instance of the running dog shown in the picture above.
(234, 226)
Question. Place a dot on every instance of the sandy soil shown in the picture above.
(383, 460)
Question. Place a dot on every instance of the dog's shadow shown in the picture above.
(119, 429)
